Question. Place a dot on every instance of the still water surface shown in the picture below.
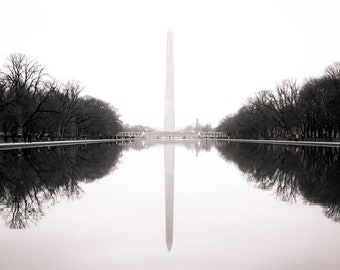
(170, 205)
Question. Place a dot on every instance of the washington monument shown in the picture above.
(169, 149)
(169, 108)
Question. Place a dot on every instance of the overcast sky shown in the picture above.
(224, 51)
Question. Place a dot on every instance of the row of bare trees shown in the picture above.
(308, 110)
(34, 104)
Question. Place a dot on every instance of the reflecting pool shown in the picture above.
(170, 205)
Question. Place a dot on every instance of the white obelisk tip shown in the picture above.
(169, 28)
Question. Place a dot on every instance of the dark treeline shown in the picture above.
(34, 106)
(307, 111)
(33, 179)
(312, 172)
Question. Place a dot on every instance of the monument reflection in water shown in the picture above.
(33, 179)
(120, 220)
(169, 177)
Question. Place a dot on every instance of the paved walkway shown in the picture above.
(306, 143)
(6, 146)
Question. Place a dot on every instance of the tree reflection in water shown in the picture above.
(31, 180)
(313, 172)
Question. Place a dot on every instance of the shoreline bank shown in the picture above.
(10, 146)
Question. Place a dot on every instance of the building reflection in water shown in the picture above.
(169, 176)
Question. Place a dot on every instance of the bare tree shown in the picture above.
(68, 105)
(26, 88)
(333, 71)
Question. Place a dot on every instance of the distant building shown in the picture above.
(197, 126)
